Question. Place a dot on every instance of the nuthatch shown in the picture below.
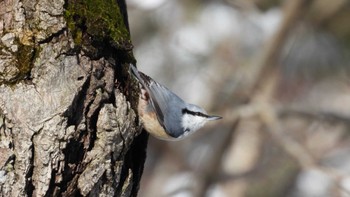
(164, 114)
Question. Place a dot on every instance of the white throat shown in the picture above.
(192, 123)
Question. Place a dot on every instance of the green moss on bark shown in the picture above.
(97, 22)
(24, 61)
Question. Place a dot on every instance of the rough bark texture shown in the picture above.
(67, 127)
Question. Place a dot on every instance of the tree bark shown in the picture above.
(68, 125)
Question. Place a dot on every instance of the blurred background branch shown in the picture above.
(278, 71)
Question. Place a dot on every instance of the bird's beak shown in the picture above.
(214, 117)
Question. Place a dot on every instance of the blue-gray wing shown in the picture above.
(168, 106)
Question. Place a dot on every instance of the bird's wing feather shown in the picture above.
(163, 101)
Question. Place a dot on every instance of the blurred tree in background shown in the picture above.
(277, 71)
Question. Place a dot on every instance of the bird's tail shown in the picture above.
(142, 78)
(133, 70)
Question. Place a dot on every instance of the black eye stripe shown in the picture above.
(186, 111)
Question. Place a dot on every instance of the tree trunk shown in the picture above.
(68, 125)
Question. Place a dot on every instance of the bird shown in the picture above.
(164, 114)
